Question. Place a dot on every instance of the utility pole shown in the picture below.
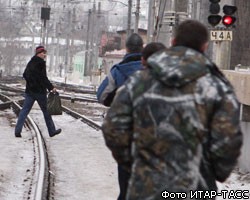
(92, 38)
(137, 15)
(97, 36)
(129, 17)
(87, 53)
(53, 48)
(171, 13)
(162, 31)
(67, 53)
(73, 19)
(151, 15)
(45, 15)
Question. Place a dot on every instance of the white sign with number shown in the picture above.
(221, 35)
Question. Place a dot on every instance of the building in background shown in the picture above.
(92, 26)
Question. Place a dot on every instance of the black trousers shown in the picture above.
(123, 178)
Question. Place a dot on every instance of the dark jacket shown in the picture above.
(36, 76)
(175, 126)
(117, 76)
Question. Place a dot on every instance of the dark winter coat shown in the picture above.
(36, 76)
(175, 126)
(117, 76)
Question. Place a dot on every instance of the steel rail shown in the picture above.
(38, 194)
(84, 118)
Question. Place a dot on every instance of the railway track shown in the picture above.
(38, 182)
(42, 177)
(76, 104)
(78, 165)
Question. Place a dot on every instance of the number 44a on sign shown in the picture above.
(221, 35)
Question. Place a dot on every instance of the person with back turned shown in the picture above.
(175, 125)
(117, 76)
(149, 50)
(37, 84)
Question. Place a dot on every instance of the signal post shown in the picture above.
(221, 34)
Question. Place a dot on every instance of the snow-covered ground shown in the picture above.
(81, 166)
(237, 186)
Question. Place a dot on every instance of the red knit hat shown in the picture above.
(40, 49)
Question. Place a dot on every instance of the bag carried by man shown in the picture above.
(54, 106)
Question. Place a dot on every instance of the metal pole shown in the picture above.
(43, 30)
(67, 48)
(129, 17)
(97, 36)
(92, 38)
(86, 66)
(137, 15)
(151, 14)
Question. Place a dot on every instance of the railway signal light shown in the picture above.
(214, 19)
(214, 9)
(228, 19)
(45, 13)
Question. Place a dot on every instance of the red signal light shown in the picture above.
(228, 20)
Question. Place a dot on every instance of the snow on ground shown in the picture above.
(81, 165)
(16, 158)
(12, 185)
(18, 150)
(237, 186)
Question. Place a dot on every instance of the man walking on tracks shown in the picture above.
(37, 84)
(175, 125)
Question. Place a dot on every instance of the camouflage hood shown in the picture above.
(170, 66)
(175, 126)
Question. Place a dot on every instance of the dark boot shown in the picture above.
(56, 132)
(18, 134)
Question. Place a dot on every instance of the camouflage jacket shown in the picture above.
(175, 126)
